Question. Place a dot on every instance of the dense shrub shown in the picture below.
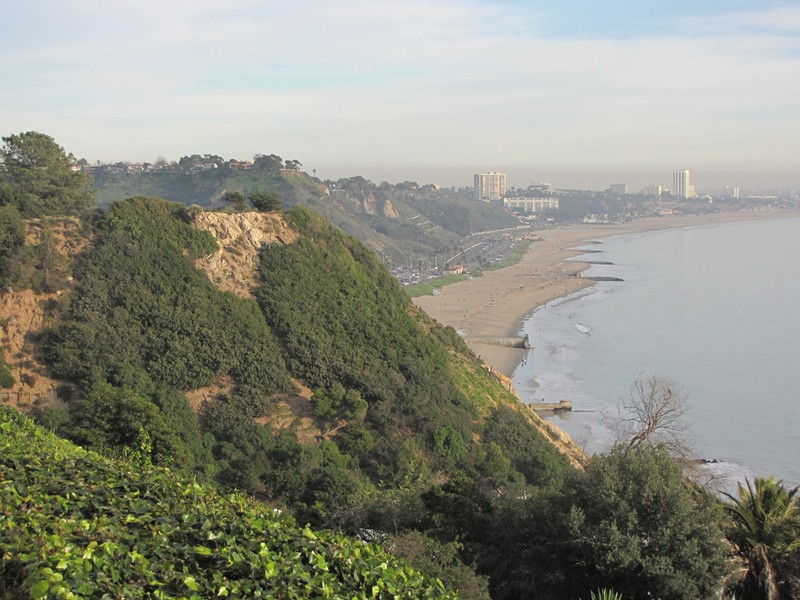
(528, 450)
(6, 378)
(629, 522)
(343, 318)
(396, 408)
(142, 306)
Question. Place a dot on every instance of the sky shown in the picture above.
(576, 93)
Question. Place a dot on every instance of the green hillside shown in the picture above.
(142, 325)
(399, 413)
(76, 525)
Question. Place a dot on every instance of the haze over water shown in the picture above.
(715, 308)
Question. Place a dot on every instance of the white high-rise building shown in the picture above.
(490, 186)
(681, 185)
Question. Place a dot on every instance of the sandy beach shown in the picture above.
(496, 304)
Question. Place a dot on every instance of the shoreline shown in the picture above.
(496, 304)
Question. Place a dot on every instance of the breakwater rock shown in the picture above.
(508, 342)
(563, 406)
(602, 278)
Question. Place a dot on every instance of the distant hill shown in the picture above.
(402, 222)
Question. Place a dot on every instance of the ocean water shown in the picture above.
(714, 308)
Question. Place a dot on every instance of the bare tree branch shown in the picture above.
(653, 414)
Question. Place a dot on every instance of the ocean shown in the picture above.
(716, 309)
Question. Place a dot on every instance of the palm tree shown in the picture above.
(606, 594)
(764, 531)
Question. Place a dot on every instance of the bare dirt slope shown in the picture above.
(23, 316)
(233, 267)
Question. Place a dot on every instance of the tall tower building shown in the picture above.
(490, 186)
(681, 186)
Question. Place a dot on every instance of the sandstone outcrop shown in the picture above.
(233, 267)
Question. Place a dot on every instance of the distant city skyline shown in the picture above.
(499, 181)
(576, 93)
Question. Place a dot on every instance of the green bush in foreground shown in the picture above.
(73, 524)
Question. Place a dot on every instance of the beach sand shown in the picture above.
(496, 304)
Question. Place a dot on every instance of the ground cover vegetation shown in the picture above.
(431, 286)
(77, 525)
(405, 438)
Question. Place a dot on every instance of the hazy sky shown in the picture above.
(579, 93)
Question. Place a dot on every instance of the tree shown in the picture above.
(9, 196)
(39, 265)
(652, 415)
(12, 236)
(51, 265)
(234, 199)
(273, 162)
(765, 533)
(339, 405)
(449, 442)
(632, 522)
(6, 378)
(264, 201)
(441, 560)
(118, 418)
(293, 165)
(43, 179)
